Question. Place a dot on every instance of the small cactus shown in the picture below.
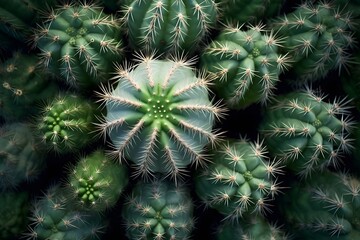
(158, 210)
(159, 116)
(239, 181)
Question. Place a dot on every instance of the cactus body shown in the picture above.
(96, 183)
(158, 210)
(79, 43)
(238, 181)
(245, 64)
(168, 26)
(159, 116)
(307, 132)
(23, 86)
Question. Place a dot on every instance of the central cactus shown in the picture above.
(159, 116)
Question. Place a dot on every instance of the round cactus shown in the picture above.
(238, 181)
(159, 116)
(96, 183)
(306, 131)
(79, 42)
(158, 210)
(22, 158)
(67, 123)
(245, 64)
(168, 26)
(318, 37)
(22, 85)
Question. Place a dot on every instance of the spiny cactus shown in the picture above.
(318, 36)
(306, 131)
(23, 85)
(54, 217)
(325, 207)
(239, 181)
(168, 26)
(159, 116)
(79, 43)
(95, 183)
(158, 210)
(245, 64)
(66, 122)
(22, 158)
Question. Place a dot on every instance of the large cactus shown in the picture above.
(306, 131)
(79, 42)
(245, 64)
(159, 116)
(239, 181)
(158, 210)
(168, 26)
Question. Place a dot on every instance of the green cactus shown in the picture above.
(67, 122)
(239, 181)
(325, 207)
(318, 37)
(54, 217)
(23, 85)
(245, 65)
(158, 210)
(22, 158)
(159, 116)
(14, 210)
(95, 183)
(168, 26)
(79, 43)
(307, 132)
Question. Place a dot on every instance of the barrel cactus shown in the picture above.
(79, 42)
(318, 37)
(168, 26)
(95, 183)
(245, 64)
(159, 116)
(239, 181)
(308, 132)
(158, 210)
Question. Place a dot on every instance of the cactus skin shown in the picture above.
(245, 64)
(22, 158)
(23, 85)
(54, 217)
(159, 116)
(307, 132)
(96, 183)
(325, 207)
(238, 181)
(14, 210)
(318, 37)
(168, 26)
(158, 210)
(79, 43)
(66, 123)
(253, 227)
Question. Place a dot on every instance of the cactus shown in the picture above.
(66, 123)
(79, 43)
(95, 183)
(159, 116)
(239, 181)
(307, 132)
(245, 64)
(168, 26)
(23, 85)
(21, 156)
(325, 207)
(158, 210)
(54, 217)
(318, 36)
